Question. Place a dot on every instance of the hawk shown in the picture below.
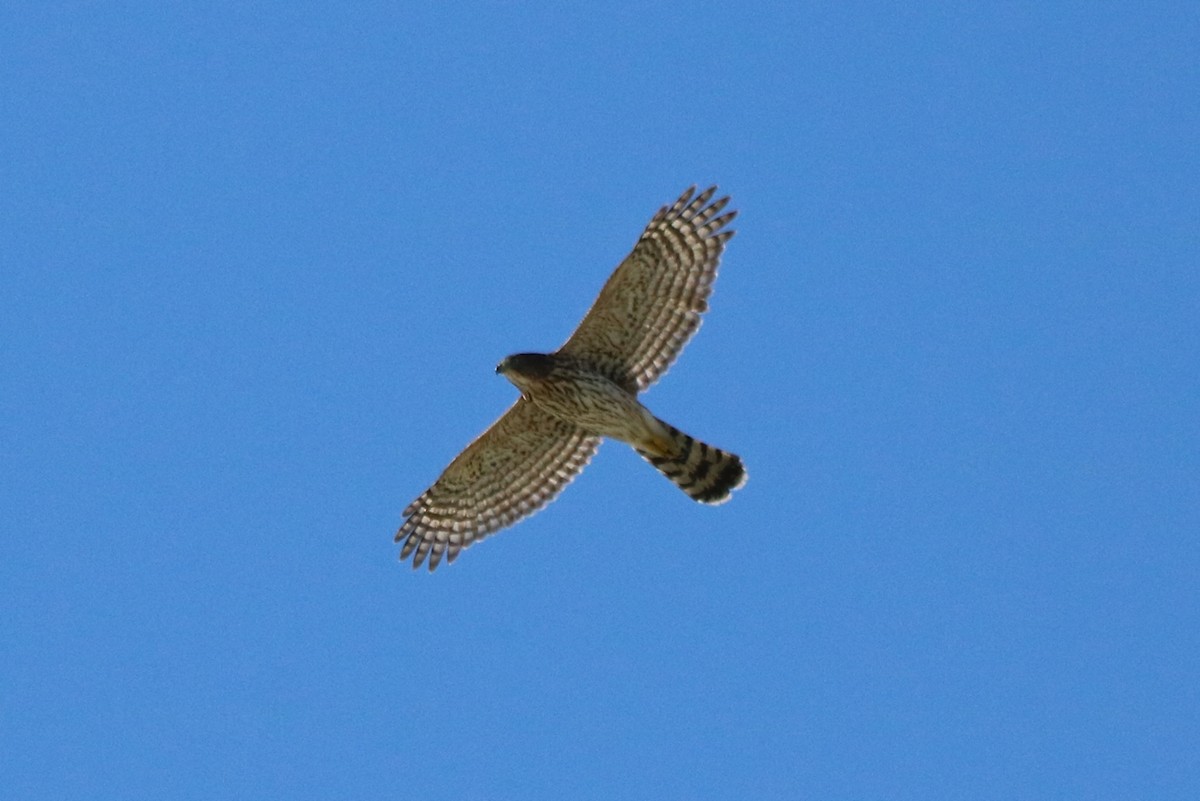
(587, 390)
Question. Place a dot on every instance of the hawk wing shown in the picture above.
(510, 471)
(651, 305)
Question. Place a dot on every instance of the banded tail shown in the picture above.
(705, 473)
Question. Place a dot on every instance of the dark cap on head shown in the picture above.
(533, 365)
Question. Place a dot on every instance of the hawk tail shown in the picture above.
(705, 473)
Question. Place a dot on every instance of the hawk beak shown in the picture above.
(500, 367)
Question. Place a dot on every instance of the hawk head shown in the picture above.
(529, 366)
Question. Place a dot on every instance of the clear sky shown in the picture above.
(258, 262)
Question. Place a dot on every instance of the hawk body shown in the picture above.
(586, 390)
(574, 391)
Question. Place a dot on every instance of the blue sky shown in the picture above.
(258, 265)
